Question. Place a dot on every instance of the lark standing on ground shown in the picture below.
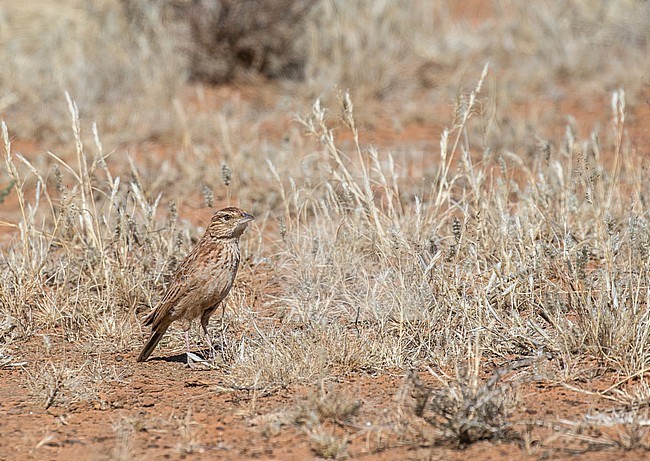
(203, 279)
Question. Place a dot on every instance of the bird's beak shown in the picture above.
(245, 217)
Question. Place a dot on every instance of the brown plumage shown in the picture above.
(202, 280)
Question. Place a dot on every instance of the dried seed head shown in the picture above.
(133, 231)
(453, 251)
(118, 223)
(582, 258)
(7, 190)
(226, 174)
(179, 241)
(58, 179)
(208, 196)
(502, 166)
(348, 110)
(456, 229)
(283, 228)
(547, 152)
(431, 246)
(173, 212)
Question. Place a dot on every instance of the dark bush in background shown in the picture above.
(261, 36)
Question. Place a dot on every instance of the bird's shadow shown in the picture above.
(178, 358)
(182, 358)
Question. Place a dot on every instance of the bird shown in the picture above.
(202, 280)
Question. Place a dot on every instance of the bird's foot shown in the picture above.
(196, 362)
(193, 360)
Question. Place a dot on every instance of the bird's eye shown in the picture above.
(226, 218)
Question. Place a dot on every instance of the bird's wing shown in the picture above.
(187, 289)
(183, 282)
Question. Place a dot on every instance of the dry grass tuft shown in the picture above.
(328, 445)
(190, 432)
(318, 413)
(625, 430)
(326, 404)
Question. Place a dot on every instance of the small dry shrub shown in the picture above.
(325, 415)
(467, 409)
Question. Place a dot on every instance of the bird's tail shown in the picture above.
(148, 348)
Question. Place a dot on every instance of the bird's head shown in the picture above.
(229, 222)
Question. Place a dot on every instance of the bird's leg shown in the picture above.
(204, 325)
(223, 330)
(191, 357)
(187, 345)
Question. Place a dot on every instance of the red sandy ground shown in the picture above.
(156, 396)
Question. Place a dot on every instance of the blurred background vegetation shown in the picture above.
(128, 63)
